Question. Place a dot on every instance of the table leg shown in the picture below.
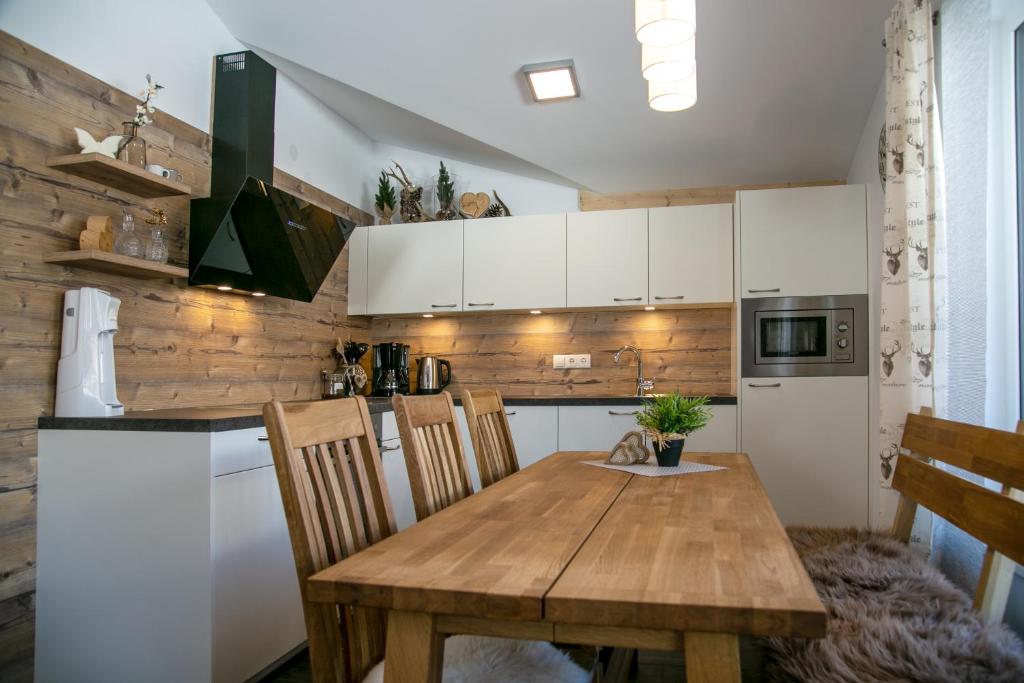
(712, 657)
(415, 649)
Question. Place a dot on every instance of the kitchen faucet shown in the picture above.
(642, 384)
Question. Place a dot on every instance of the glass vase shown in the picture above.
(133, 149)
(156, 250)
(127, 242)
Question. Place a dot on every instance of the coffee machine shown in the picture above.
(390, 369)
(85, 372)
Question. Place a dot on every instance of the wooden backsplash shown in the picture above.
(176, 346)
(689, 350)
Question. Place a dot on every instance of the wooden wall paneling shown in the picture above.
(176, 346)
(689, 350)
(726, 194)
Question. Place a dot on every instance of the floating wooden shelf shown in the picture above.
(118, 175)
(105, 262)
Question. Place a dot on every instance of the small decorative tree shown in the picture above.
(445, 196)
(385, 199)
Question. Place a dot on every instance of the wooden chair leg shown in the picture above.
(619, 665)
(712, 658)
(415, 648)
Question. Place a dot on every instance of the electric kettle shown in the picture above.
(433, 376)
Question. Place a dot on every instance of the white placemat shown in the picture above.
(649, 469)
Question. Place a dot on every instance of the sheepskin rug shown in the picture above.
(478, 659)
(892, 617)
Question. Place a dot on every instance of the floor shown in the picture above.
(653, 667)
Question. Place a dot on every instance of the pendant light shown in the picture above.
(663, 23)
(672, 95)
(673, 63)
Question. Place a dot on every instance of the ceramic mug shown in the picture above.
(164, 172)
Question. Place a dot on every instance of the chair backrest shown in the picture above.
(490, 434)
(336, 503)
(993, 517)
(433, 451)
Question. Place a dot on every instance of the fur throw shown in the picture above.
(892, 617)
(478, 659)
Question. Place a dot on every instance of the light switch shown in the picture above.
(576, 361)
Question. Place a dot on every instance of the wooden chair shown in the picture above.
(433, 451)
(336, 503)
(994, 518)
(490, 434)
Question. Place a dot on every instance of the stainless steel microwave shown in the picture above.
(805, 336)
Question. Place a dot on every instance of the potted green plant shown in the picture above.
(668, 419)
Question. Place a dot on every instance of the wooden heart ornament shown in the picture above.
(98, 234)
(474, 205)
(629, 450)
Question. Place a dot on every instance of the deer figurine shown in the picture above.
(887, 354)
(922, 253)
(893, 262)
(410, 197)
(924, 360)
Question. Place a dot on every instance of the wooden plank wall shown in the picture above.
(689, 350)
(687, 196)
(175, 347)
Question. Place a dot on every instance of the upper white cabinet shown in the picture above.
(807, 241)
(691, 254)
(357, 246)
(607, 258)
(514, 263)
(414, 268)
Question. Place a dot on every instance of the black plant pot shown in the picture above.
(669, 455)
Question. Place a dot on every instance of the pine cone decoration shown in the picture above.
(497, 209)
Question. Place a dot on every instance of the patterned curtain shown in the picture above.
(913, 301)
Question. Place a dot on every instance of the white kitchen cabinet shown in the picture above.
(358, 244)
(395, 473)
(606, 263)
(163, 556)
(414, 268)
(807, 241)
(598, 428)
(514, 263)
(690, 254)
(808, 440)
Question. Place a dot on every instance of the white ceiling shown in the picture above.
(784, 86)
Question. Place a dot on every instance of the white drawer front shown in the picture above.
(239, 450)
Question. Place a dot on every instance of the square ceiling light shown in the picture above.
(550, 81)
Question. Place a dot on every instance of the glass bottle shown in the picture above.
(127, 242)
(156, 250)
(133, 149)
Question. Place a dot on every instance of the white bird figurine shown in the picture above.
(108, 147)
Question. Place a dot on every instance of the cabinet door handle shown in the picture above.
(263, 437)
(510, 413)
(489, 303)
(635, 298)
(385, 449)
(760, 291)
(668, 298)
(443, 305)
(634, 412)
(765, 386)
(393, 438)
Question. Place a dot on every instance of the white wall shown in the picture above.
(522, 195)
(864, 170)
(120, 41)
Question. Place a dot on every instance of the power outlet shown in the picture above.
(576, 361)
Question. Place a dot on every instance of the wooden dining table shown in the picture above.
(568, 552)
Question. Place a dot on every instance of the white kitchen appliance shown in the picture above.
(85, 373)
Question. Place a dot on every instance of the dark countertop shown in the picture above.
(226, 419)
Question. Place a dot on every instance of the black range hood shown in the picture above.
(249, 235)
